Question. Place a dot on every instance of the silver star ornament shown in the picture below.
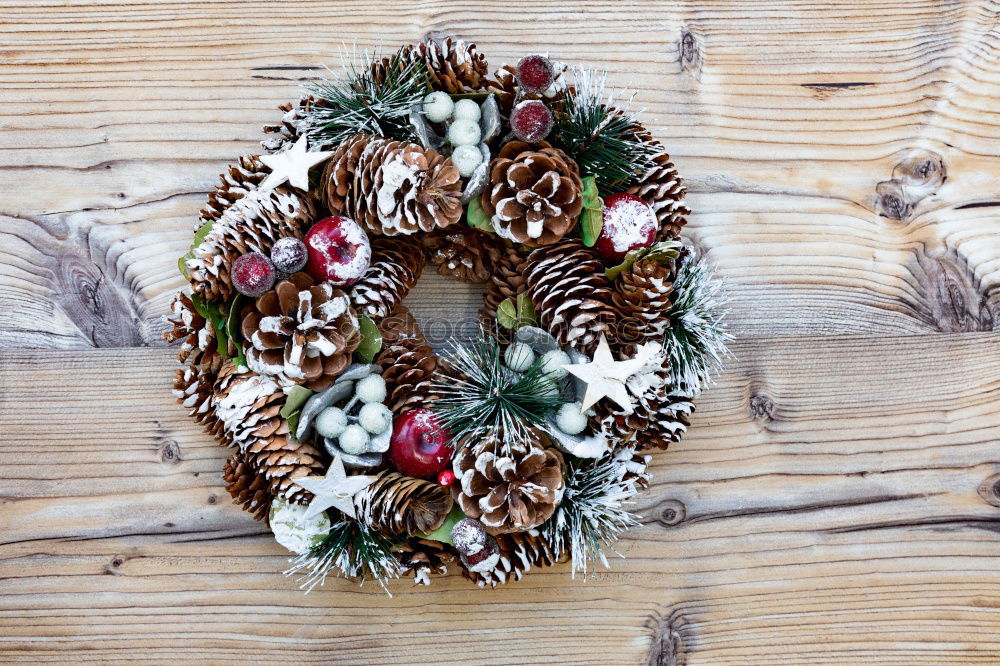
(336, 489)
(606, 377)
(292, 165)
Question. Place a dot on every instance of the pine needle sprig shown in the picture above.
(696, 339)
(604, 140)
(351, 548)
(593, 513)
(362, 99)
(484, 398)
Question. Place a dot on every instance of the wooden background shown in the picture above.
(837, 500)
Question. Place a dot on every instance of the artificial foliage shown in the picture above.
(369, 451)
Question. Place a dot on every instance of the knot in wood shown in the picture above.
(989, 490)
(922, 168)
(891, 202)
(170, 452)
(671, 512)
(690, 52)
(761, 407)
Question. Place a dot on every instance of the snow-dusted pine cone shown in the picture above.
(465, 254)
(338, 175)
(247, 486)
(199, 346)
(194, 388)
(571, 294)
(238, 181)
(396, 265)
(400, 505)
(508, 493)
(664, 190)
(534, 195)
(519, 553)
(301, 332)
(408, 363)
(506, 281)
(423, 558)
(642, 297)
(453, 66)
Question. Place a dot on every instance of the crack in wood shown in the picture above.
(666, 644)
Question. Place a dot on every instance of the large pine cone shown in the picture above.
(469, 255)
(453, 66)
(408, 363)
(642, 296)
(664, 190)
(301, 332)
(249, 408)
(571, 294)
(399, 505)
(658, 418)
(254, 223)
(535, 194)
(238, 181)
(393, 187)
(519, 552)
(508, 493)
(247, 486)
(395, 267)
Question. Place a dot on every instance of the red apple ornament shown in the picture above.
(339, 251)
(629, 223)
(419, 446)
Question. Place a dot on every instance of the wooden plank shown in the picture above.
(839, 155)
(836, 501)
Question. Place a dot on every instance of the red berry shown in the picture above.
(252, 274)
(446, 478)
(419, 445)
(535, 73)
(629, 223)
(289, 255)
(339, 251)
(531, 121)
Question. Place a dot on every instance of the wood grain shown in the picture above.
(837, 499)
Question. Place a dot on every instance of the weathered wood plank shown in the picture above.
(804, 134)
(836, 501)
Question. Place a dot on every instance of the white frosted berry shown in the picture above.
(467, 159)
(438, 107)
(553, 362)
(464, 133)
(519, 357)
(371, 389)
(375, 417)
(570, 420)
(466, 109)
(331, 422)
(353, 440)
(289, 255)
(293, 530)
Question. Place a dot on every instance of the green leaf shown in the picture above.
(199, 237)
(443, 533)
(182, 266)
(507, 314)
(592, 218)
(293, 424)
(476, 96)
(371, 339)
(477, 217)
(297, 397)
(210, 311)
(525, 310)
(234, 329)
(657, 252)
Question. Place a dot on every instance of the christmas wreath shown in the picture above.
(367, 453)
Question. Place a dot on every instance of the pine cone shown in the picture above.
(423, 557)
(453, 66)
(301, 332)
(194, 389)
(408, 363)
(399, 505)
(664, 190)
(657, 419)
(249, 407)
(465, 254)
(508, 494)
(504, 86)
(199, 346)
(642, 297)
(247, 486)
(506, 281)
(239, 180)
(519, 552)
(535, 193)
(571, 294)
(397, 187)
(395, 267)
(252, 224)
(283, 135)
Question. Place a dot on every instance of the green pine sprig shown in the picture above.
(351, 548)
(484, 398)
(602, 139)
(358, 101)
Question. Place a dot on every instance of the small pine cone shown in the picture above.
(292, 126)
(194, 389)
(642, 297)
(247, 486)
(504, 86)
(424, 557)
(301, 332)
(571, 294)
(535, 193)
(453, 66)
(239, 180)
(508, 493)
(199, 346)
(669, 418)
(338, 175)
(519, 552)
(395, 267)
(506, 281)
(408, 363)
(465, 254)
(253, 224)
(664, 190)
(399, 505)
